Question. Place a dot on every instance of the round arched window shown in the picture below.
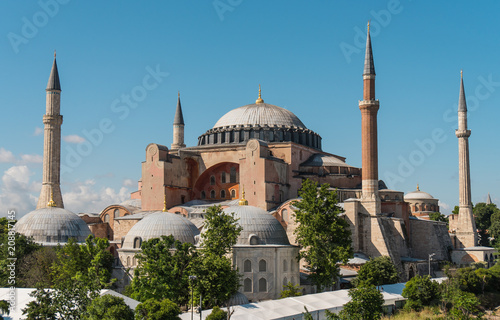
(106, 218)
(116, 213)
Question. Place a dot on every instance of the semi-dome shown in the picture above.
(53, 225)
(259, 227)
(159, 224)
(261, 121)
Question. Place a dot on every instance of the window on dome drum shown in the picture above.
(262, 285)
(212, 180)
(203, 195)
(247, 266)
(232, 175)
(116, 213)
(285, 266)
(262, 265)
(223, 177)
(247, 285)
(223, 194)
(212, 194)
(284, 215)
(106, 218)
(137, 242)
(233, 193)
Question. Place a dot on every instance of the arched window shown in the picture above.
(116, 213)
(232, 175)
(285, 281)
(262, 266)
(106, 218)
(284, 215)
(137, 242)
(292, 280)
(292, 265)
(254, 240)
(212, 194)
(223, 194)
(133, 261)
(128, 261)
(285, 266)
(282, 196)
(223, 177)
(212, 180)
(247, 266)
(203, 195)
(233, 194)
(247, 285)
(262, 285)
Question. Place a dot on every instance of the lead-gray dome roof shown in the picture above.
(259, 227)
(53, 225)
(159, 224)
(262, 114)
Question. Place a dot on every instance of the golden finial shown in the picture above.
(418, 189)
(51, 203)
(259, 100)
(368, 27)
(461, 74)
(164, 203)
(243, 201)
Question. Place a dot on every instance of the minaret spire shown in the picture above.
(369, 149)
(178, 141)
(466, 228)
(52, 120)
(488, 199)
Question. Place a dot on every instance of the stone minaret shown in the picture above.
(52, 121)
(488, 199)
(369, 149)
(466, 227)
(178, 141)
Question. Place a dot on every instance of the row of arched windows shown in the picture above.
(213, 194)
(248, 285)
(223, 177)
(425, 207)
(247, 266)
(116, 214)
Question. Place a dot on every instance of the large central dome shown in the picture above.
(261, 121)
(261, 114)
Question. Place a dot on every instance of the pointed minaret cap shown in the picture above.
(369, 65)
(488, 199)
(259, 99)
(462, 104)
(54, 83)
(178, 119)
(243, 201)
(51, 202)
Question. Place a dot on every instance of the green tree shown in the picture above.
(4, 308)
(421, 292)
(109, 307)
(378, 271)
(455, 210)
(35, 269)
(495, 229)
(217, 314)
(290, 290)
(482, 214)
(42, 307)
(307, 315)
(438, 216)
(366, 304)
(152, 309)
(164, 266)
(221, 231)
(322, 233)
(465, 304)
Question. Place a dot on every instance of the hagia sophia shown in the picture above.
(252, 162)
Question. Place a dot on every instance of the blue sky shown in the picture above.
(308, 57)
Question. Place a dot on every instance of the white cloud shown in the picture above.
(128, 183)
(38, 131)
(31, 158)
(7, 156)
(85, 197)
(74, 138)
(18, 191)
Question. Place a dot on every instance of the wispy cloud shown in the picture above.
(38, 131)
(31, 158)
(74, 138)
(6, 156)
(128, 183)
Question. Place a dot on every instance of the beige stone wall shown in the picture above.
(428, 237)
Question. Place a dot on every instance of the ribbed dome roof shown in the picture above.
(160, 224)
(258, 222)
(53, 225)
(418, 195)
(261, 114)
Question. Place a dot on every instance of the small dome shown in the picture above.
(53, 225)
(262, 114)
(238, 299)
(160, 224)
(259, 227)
(417, 194)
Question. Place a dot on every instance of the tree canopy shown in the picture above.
(322, 233)
(483, 214)
(378, 271)
(420, 292)
(153, 309)
(366, 304)
(221, 231)
(109, 307)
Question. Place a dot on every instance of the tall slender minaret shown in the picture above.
(488, 199)
(369, 150)
(466, 228)
(178, 141)
(52, 121)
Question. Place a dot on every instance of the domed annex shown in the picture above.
(261, 121)
(420, 203)
(52, 226)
